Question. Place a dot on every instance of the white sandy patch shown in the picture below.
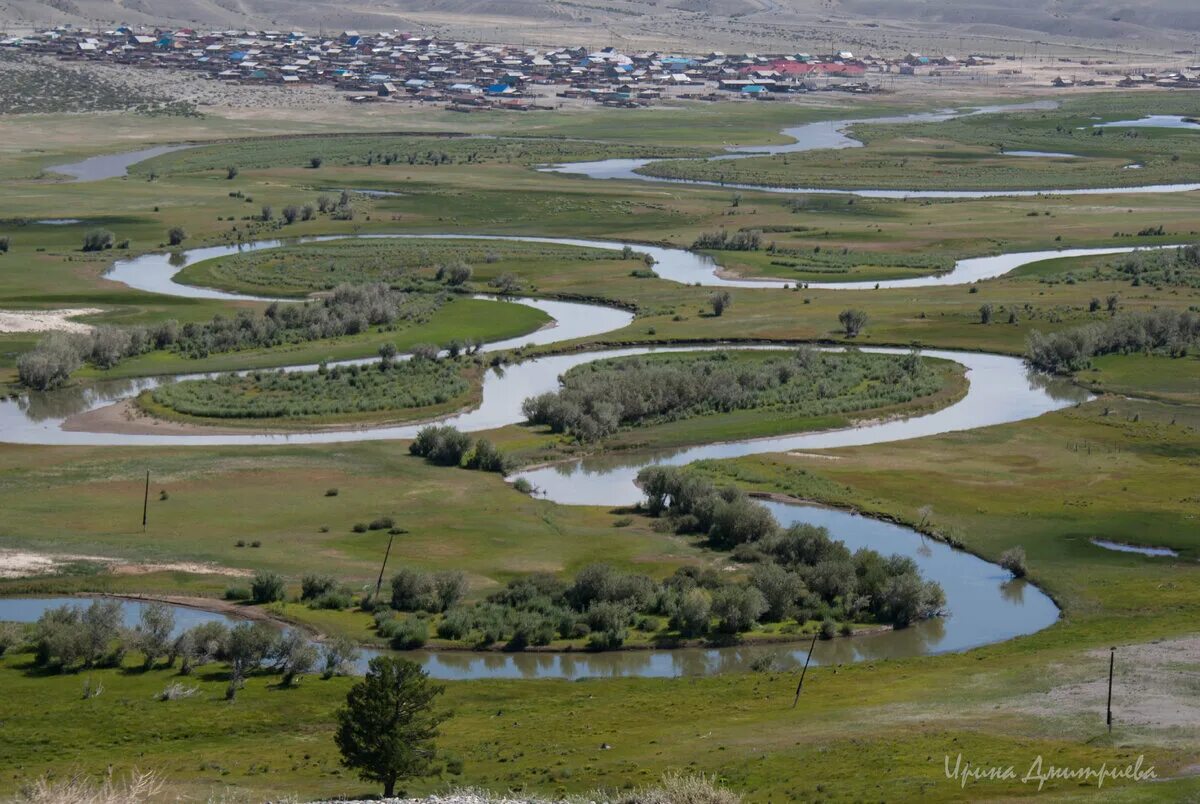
(45, 320)
(816, 455)
(24, 563)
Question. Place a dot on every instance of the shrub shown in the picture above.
(332, 492)
(737, 608)
(486, 457)
(11, 635)
(176, 235)
(313, 585)
(51, 362)
(315, 162)
(853, 321)
(338, 656)
(98, 240)
(425, 351)
(267, 587)
(411, 633)
(455, 624)
(413, 590)
(456, 273)
(236, 593)
(720, 301)
(443, 445)
(692, 613)
(4, 243)
(1013, 560)
(828, 629)
(231, 172)
(290, 213)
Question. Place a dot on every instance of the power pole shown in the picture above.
(383, 566)
(804, 672)
(146, 501)
(1112, 658)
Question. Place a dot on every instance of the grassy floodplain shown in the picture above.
(1116, 468)
(984, 703)
(975, 153)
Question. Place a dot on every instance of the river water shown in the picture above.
(984, 604)
(831, 134)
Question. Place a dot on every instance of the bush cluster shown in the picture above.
(349, 310)
(599, 398)
(326, 392)
(823, 572)
(1162, 331)
(445, 445)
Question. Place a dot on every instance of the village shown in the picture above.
(462, 76)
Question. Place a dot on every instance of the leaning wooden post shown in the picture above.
(1112, 658)
(382, 567)
(146, 501)
(803, 672)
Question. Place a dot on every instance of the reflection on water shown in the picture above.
(983, 604)
(467, 665)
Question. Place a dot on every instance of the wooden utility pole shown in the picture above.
(803, 672)
(382, 567)
(146, 501)
(1112, 659)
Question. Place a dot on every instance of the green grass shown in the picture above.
(876, 730)
(410, 390)
(968, 153)
(459, 319)
(302, 269)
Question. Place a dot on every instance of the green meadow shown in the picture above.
(1122, 467)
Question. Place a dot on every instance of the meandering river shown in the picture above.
(984, 604)
(831, 134)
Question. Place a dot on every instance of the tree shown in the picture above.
(852, 321)
(101, 626)
(779, 588)
(152, 636)
(338, 656)
(691, 615)
(245, 648)
(176, 235)
(738, 608)
(268, 212)
(290, 213)
(231, 172)
(387, 728)
(985, 313)
(316, 162)
(719, 301)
